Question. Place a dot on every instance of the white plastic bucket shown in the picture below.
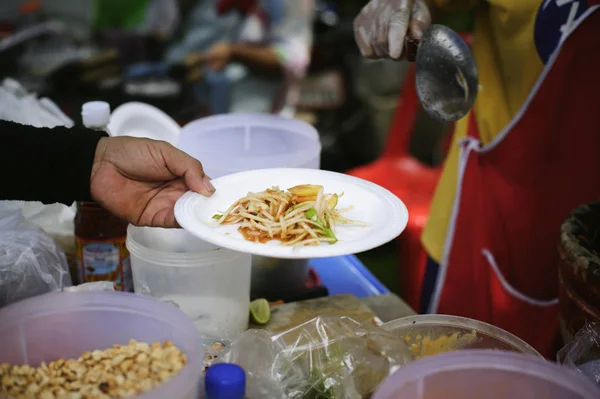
(233, 143)
(210, 284)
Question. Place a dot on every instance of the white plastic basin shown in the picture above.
(233, 143)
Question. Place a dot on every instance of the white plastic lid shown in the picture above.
(95, 114)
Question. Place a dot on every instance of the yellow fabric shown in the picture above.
(452, 5)
(509, 65)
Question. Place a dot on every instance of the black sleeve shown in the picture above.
(47, 165)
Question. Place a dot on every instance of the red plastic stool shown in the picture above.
(412, 181)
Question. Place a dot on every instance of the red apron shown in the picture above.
(244, 6)
(500, 260)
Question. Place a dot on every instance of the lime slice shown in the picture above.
(260, 311)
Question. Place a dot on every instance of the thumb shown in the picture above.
(183, 165)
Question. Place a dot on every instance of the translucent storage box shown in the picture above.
(210, 284)
(66, 324)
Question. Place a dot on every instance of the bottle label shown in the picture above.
(104, 261)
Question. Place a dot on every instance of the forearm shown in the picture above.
(260, 59)
(47, 165)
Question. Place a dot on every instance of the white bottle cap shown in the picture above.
(95, 114)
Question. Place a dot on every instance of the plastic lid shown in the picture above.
(95, 114)
(485, 374)
(225, 381)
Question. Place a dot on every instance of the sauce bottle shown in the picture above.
(225, 381)
(100, 236)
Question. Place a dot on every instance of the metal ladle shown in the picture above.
(446, 78)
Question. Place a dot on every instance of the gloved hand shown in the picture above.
(381, 27)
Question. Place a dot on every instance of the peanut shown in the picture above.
(118, 372)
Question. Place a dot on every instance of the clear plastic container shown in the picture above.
(233, 143)
(66, 324)
(210, 284)
(484, 374)
(434, 334)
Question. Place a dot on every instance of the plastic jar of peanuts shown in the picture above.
(98, 345)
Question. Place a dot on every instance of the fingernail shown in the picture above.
(208, 184)
(395, 49)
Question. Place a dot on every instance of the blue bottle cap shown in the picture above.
(225, 381)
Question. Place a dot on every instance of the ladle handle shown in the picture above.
(410, 47)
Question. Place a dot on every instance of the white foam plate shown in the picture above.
(137, 119)
(385, 214)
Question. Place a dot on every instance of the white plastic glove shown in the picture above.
(381, 27)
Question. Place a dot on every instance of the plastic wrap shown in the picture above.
(583, 353)
(95, 286)
(57, 220)
(31, 263)
(324, 358)
(18, 105)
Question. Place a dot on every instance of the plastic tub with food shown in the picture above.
(429, 335)
(80, 342)
(484, 374)
(209, 284)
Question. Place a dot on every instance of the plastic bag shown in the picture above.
(19, 105)
(583, 353)
(95, 286)
(258, 354)
(57, 220)
(31, 263)
(324, 358)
